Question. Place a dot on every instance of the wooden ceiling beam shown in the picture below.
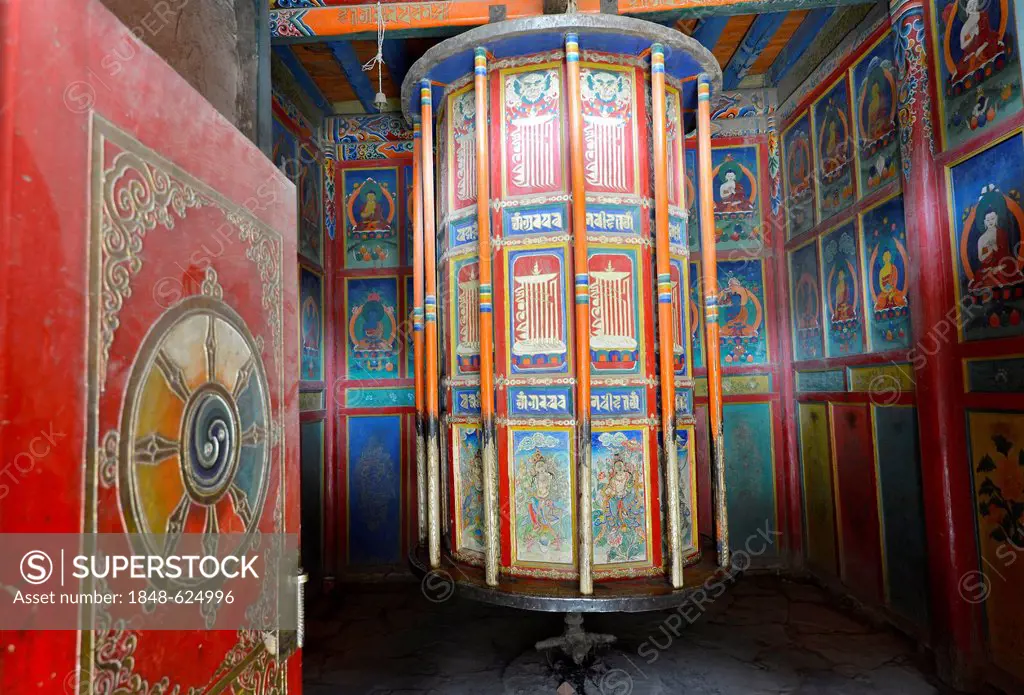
(347, 59)
(760, 33)
(302, 78)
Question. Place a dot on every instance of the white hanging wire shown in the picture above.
(380, 101)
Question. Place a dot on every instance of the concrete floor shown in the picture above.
(766, 635)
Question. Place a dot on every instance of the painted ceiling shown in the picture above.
(753, 49)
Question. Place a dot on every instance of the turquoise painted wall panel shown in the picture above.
(374, 457)
(750, 475)
(902, 509)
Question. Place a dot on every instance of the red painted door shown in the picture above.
(148, 280)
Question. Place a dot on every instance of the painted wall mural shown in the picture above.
(311, 312)
(805, 302)
(696, 298)
(310, 206)
(616, 327)
(737, 198)
(886, 264)
(370, 217)
(532, 130)
(692, 199)
(372, 329)
(374, 456)
(543, 489)
(283, 150)
(976, 56)
(686, 451)
(743, 337)
(874, 87)
(833, 140)
(997, 451)
(620, 507)
(986, 219)
(840, 269)
(798, 175)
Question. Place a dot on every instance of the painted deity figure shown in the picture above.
(878, 112)
(997, 266)
(733, 193)
(979, 42)
(621, 527)
(890, 296)
(737, 295)
(844, 309)
(310, 324)
(371, 217)
(544, 513)
(472, 499)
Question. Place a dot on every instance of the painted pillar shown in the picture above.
(709, 267)
(945, 470)
(430, 326)
(665, 318)
(417, 335)
(582, 272)
(489, 452)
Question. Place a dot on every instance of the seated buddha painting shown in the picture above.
(987, 218)
(736, 200)
(370, 219)
(799, 177)
(833, 139)
(874, 78)
(886, 262)
(981, 82)
(844, 324)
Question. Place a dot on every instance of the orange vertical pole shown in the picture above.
(580, 265)
(709, 264)
(665, 321)
(417, 335)
(489, 453)
(430, 327)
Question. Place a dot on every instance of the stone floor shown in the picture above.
(767, 635)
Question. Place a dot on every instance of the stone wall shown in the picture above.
(211, 43)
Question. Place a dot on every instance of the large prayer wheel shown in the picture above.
(553, 311)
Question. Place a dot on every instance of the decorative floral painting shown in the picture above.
(986, 220)
(741, 313)
(805, 290)
(469, 484)
(370, 217)
(374, 478)
(976, 54)
(884, 243)
(833, 142)
(997, 461)
(619, 496)
(840, 263)
(798, 176)
(736, 193)
(874, 86)
(543, 489)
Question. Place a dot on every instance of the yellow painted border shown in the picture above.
(837, 500)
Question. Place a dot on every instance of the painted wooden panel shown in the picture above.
(311, 300)
(986, 221)
(688, 486)
(538, 329)
(886, 266)
(370, 217)
(696, 298)
(860, 550)
(611, 160)
(750, 475)
(283, 150)
(840, 271)
(374, 458)
(902, 508)
(616, 313)
(833, 148)
(690, 193)
(531, 126)
(875, 101)
(819, 507)
(994, 376)
(743, 337)
(805, 302)
(371, 306)
(543, 497)
(705, 508)
(997, 455)
(467, 468)
(736, 195)
(975, 53)
(311, 464)
(798, 176)
(310, 205)
(621, 494)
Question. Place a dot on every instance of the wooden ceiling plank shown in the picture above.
(802, 39)
(302, 78)
(346, 56)
(760, 33)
